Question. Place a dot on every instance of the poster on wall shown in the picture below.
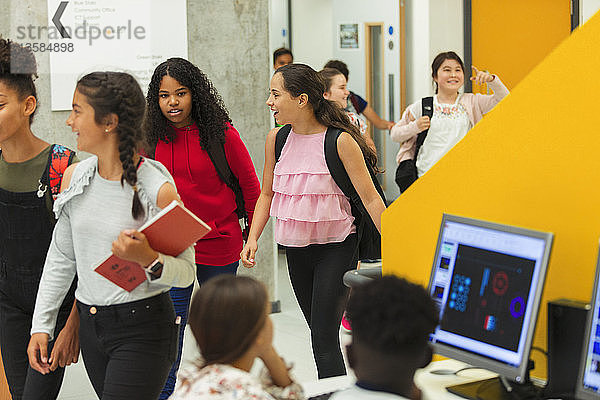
(110, 35)
(348, 36)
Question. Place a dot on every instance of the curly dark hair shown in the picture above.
(18, 69)
(208, 110)
(119, 93)
(392, 315)
(300, 78)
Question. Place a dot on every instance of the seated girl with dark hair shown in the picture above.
(229, 318)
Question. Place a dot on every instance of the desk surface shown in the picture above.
(433, 386)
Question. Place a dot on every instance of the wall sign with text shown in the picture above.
(83, 36)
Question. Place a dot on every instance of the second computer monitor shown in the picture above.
(488, 279)
(588, 385)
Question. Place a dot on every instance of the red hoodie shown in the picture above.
(206, 195)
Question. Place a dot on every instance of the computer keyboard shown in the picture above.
(323, 396)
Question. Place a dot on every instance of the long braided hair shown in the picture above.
(119, 93)
(300, 78)
(208, 110)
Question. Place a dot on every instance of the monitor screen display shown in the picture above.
(487, 280)
(589, 383)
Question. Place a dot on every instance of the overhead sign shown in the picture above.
(83, 36)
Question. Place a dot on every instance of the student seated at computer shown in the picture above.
(391, 321)
(229, 318)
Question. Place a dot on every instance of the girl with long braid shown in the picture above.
(314, 217)
(128, 339)
(186, 118)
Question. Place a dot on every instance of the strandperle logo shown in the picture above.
(35, 33)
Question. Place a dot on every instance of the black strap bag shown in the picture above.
(216, 152)
(369, 239)
(406, 173)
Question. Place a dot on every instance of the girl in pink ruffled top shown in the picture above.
(314, 218)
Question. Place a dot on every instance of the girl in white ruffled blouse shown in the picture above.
(454, 113)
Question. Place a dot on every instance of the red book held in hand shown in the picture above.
(171, 231)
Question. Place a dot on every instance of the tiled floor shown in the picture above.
(292, 341)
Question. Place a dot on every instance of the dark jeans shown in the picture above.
(316, 272)
(181, 301)
(128, 349)
(18, 289)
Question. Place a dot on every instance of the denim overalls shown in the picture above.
(25, 234)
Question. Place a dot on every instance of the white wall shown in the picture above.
(446, 26)
(360, 12)
(311, 32)
(432, 26)
(278, 25)
(587, 8)
(416, 17)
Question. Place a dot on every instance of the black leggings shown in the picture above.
(128, 349)
(316, 272)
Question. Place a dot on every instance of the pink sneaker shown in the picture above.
(346, 324)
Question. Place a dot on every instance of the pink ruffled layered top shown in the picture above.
(310, 208)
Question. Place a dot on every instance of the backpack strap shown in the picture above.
(280, 139)
(335, 165)
(426, 110)
(59, 159)
(368, 238)
(339, 174)
(216, 152)
(337, 169)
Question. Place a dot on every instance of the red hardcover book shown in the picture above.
(171, 231)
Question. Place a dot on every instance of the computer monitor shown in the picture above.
(588, 382)
(487, 279)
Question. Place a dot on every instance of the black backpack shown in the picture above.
(216, 152)
(406, 173)
(369, 239)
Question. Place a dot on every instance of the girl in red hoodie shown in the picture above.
(185, 116)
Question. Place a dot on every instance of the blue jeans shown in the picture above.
(181, 302)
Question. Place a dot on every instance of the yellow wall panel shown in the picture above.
(510, 37)
(531, 162)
